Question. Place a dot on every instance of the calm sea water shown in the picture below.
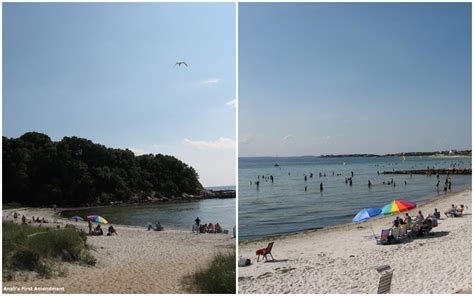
(285, 207)
(178, 215)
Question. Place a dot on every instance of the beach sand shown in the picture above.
(134, 261)
(342, 259)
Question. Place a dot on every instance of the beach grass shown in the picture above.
(42, 249)
(217, 278)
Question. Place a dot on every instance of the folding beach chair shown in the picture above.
(383, 240)
(265, 251)
(403, 231)
(385, 280)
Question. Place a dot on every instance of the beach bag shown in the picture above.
(244, 262)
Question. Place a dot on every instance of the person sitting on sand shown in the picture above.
(419, 218)
(210, 228)
(451, 211)
(218, 228)
(459, 210)
(111, 231)
(203, 228)
(407, 219)
(394, 232)
(436, 214)
(98, 230)
(23, 219)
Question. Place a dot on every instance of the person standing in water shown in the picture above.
(306, 188)
(369, 184)
(305, 178)
(321, 187)
(258, 184)
(198, 221)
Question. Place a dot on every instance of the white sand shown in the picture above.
(342, 259)
(134, 261)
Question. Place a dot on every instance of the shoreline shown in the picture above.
(134, 261)
(342, 259)
(344, 225)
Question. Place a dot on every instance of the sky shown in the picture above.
(106, 72)
(338, 78)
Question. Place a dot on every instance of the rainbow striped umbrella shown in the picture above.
(98, 219)
(397, 206)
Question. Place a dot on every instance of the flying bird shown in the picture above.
(180, 63)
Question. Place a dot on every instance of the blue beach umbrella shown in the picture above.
(76, 218)
(366, 214)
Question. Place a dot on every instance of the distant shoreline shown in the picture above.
(460, 153)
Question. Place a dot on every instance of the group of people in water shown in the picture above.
(349, 180)
(206, 228)
(447, 183)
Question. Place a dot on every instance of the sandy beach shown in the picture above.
(134, 261)
(342, 259)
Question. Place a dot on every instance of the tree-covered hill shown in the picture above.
(75, 171)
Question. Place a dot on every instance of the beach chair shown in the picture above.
(385, 280)
(403, 231)
(265, 252)
(383, 240)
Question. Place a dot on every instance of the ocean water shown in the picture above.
(178, 215)
(285, 207)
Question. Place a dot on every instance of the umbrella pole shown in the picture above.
(372, 230)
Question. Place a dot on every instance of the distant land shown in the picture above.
(445, 153)
(435, 153)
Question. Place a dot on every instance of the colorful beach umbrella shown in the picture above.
(397, 206)
(366, 214)
(98, 219)
(76, 218)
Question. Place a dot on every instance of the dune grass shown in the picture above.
(217, 278)
(41, 249)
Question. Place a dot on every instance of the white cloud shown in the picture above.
(232, 104)
(211, 81)
(219, 144)
(245, 139)
(288, 139)
(137, 151)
